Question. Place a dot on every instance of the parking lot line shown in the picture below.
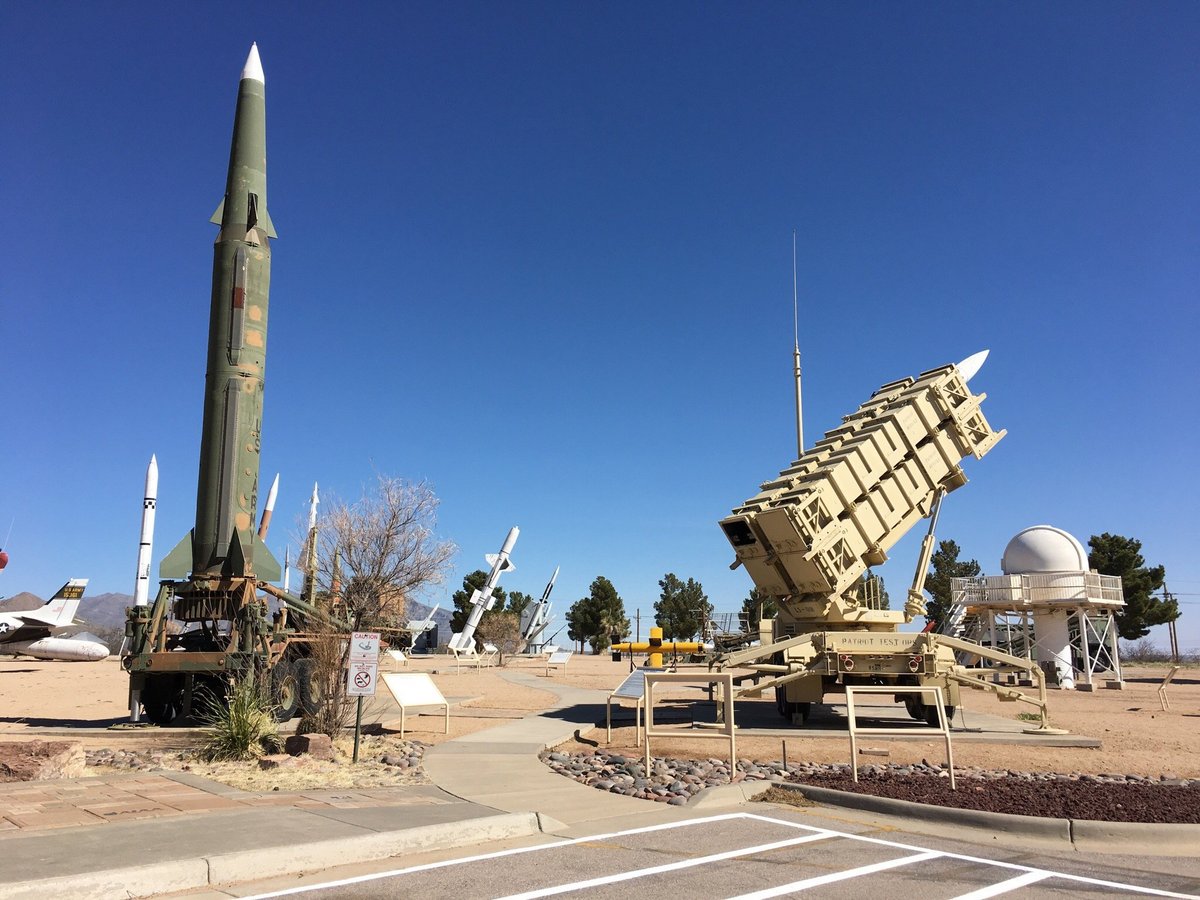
(666, 867)
(1027, 874)
(1003, 887)
(844, 875)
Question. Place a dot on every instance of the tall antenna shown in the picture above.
(796, 353)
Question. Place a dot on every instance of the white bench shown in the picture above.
(415, 689)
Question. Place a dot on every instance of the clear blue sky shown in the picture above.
(540, 255)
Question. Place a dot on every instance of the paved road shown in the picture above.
(769, 852)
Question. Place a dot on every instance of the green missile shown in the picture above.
(224, 541)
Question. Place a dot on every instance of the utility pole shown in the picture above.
(796, 353)
(1174, 638)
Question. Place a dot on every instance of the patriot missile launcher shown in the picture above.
(221, 627)
(810, 536)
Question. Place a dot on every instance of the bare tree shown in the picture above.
(373, 555)
(380, 550)
(502, 629)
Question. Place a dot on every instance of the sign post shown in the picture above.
(362, 671)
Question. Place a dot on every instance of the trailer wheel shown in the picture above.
(308, 691)
(285, 691)
(789, 710)
(162, 699)
(931, 715)
(916, 709)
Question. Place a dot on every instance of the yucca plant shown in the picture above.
(240, 726)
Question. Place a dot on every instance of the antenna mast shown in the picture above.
(796, 353)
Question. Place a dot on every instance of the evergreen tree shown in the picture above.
(462, 599)
(1113, 554)
(945, 565)
(598, 618)
(518, 601)
(682, 608)
(576, 621)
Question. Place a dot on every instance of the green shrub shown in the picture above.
(242, 726)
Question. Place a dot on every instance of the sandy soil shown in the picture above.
(83, 699)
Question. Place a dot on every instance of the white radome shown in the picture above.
(1043, 548)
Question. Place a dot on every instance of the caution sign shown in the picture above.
(363, 670)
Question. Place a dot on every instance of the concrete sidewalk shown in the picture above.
(500, 768)
(150, 833)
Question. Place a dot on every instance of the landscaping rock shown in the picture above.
(318, 746)
(37, 760)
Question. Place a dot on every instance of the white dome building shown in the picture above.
(1047, 606)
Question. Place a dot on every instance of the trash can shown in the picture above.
(616, 654)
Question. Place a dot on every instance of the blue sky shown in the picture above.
(540, 255)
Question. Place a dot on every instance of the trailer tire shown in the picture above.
(931, 715)
(308, 690)
(915, 708)
(285, 691)
(162, 699)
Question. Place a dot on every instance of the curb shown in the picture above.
(1085, 835)
(225, 868)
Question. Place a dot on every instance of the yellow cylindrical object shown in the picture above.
(656, 647)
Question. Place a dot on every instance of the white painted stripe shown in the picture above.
(817, 881)
(666, 867)
(665, 826)
(1004, 887)
(814, 834)
(1082, 879)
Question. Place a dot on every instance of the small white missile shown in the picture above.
(970, 366)
(141, 586)
(550, 585)
(287, 567)
(312, 508)
(484, 599)
(268, 509)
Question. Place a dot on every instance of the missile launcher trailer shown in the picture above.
(808, 538)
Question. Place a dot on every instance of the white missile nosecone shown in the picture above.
(970, 366)
(141, 586)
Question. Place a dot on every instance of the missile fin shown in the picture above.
(216, 217)
(178, 563)
(266, 566)
(268, 224)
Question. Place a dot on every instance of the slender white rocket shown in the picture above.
(483, 600)
(309, 563)
(141, 586)
(264, 524)
(287, 567)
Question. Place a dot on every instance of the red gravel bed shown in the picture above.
(1051, 799)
